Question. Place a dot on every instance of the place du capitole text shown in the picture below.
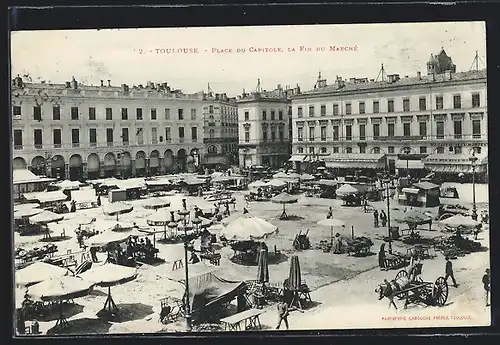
(243, 50)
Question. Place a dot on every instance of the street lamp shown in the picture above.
(387, 182)
(473, 161)
(184, 213)
(407, 151)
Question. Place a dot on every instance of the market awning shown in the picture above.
(410, 164)
(410, 190)
(451, 163)
(46, 196)
(297, 158)
(20, 176)
(355, 160)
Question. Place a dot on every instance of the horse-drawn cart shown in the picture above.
(395, 260)
(415, 290)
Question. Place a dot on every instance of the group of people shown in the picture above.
(382, 216)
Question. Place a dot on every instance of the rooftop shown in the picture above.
(402, 82)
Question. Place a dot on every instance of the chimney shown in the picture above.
(372, 80)
(216, 96)
(419, 75)
(102, 82)
(68, 85)
(75, 83)
(109, 83)
(125, 88)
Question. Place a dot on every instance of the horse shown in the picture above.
(390, 289)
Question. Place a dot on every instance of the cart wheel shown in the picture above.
(401, 274)
(440, 292)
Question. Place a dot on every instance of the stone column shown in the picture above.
(84, 171)
(162, 166)
(133, 167)
(101, 169)
(147, 166)
(66, 171)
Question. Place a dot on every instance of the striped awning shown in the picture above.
(355, 160)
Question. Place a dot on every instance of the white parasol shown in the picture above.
(60, 288)
(46, 217)
(155, 203)
(26, 206)
(117, 208)
(331, 222)
(276, 183)
(346, 189)
(459, 220)
(248, 228)
(26, 212)
(258, 184)
(37, 272)
(108, 237)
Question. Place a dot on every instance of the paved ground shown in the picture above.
(342, 285)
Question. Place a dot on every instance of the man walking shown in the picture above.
(486, 284)
(449, 272)
(283, 312)
(375, 218)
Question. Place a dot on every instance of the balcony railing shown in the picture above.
(125, 143)
(18, 147)
(57, 146)
(38, 146)
(93, 144)
(109, 144)
(75, 144)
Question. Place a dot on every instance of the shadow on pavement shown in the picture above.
(82, 326)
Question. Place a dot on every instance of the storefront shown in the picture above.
(452, 166)
(24, 181)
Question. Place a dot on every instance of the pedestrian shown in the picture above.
(375, 218)
(283, 313)
(381, 257)
(383, 218)
(486, 284)
(329, 215)
(93, 254)
(98, 200)
(449, 272)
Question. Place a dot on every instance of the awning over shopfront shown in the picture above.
(297, 158)
(412, 164)
(410, 190)
(445, 163)
(355, 160)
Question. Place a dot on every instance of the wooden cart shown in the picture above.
(429, 293)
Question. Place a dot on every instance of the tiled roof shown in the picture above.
(403, 82)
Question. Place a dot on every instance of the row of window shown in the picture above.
(75, 113)
(226, 148)
(272, 115)
(390, 150)
(422, 106)
(440, 131)
(224, 109)
(110, 138)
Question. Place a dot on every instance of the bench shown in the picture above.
(249, 317)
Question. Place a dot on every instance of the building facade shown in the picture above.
(77, 131)
(263, 119)
(442, 113)
(220, 114)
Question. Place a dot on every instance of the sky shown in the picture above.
(134, 56)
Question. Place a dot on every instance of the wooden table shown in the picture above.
(250, 317)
